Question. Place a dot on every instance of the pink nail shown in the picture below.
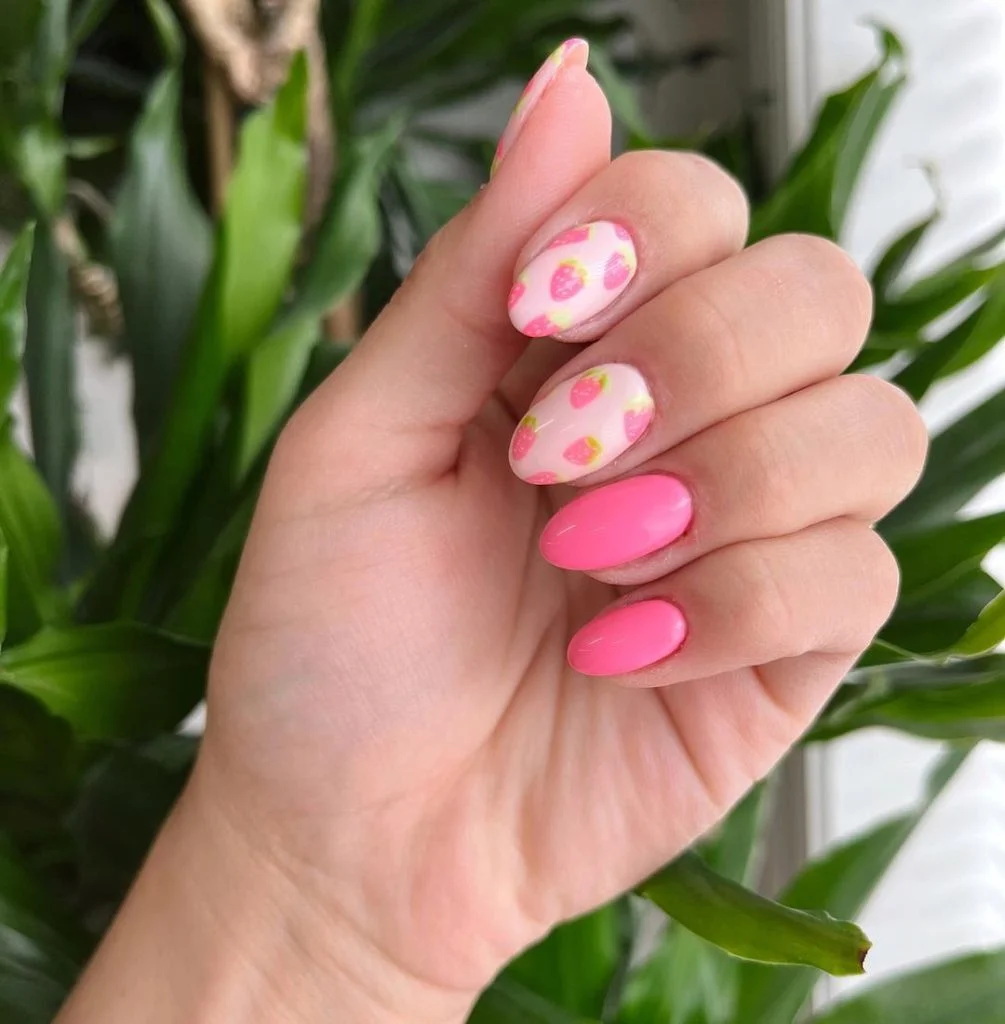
(581, 272)
(571, 52)
(583, 425)
(627, 639)
(618, 523)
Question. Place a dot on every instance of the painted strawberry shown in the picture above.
(583, 452)
(516, 293)
(570, 237)
(637, 418)
(543, 479)
(544, 325)
(568, 280)
(523, 439)
(622, 232)
(617, 272)
(589, 387)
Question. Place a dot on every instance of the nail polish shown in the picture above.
(578, 275)
(571, 52)
(627, 639)
(583, 425)
(617, 524)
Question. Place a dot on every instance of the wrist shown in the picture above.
(214, 932)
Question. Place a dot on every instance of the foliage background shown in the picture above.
(228, 260)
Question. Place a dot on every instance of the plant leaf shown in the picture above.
(964, 458)
(968, 989)
(507, 1002)
(891, 264)
(18, 23)
(575, 966)
(987, 633)
(753, 927)
(30, 525)
(115, 681)
(13, 293)
(87, 16)
(49, 367)
(839, 882)
(621, 95)
(161, 249)
(3, 588)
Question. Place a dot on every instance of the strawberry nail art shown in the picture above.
(579, 274)
(572, 51)
(582, 425)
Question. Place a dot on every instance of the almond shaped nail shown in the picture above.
(627, 639)
(578, 275)
(583, 425)
(618, 523)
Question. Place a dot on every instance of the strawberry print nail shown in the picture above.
(579, 274)
(582, 425)
(571, 52)
(516, 293)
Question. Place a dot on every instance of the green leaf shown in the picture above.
(38, 961)
(932, 559)
(116, 681)
(13, 292)
(123, 802)
(931, 359)
(934, 625)
(30, 525)
(41, 165)
(161, 249)
(507, 1002)
(575, 966)
(168, 30)
(753, 927)
(18, 22)
(818, 186)
(686, 980)
(363, 30)
(622, 96)
(968, 989)
(49, 367)
(964, 458)
(39, 763)
(732, 849)
(350, 235)
(925, 302)
(87, 16)
(987, 633)
(3, 588)
(988, 330)
(839, 883)
(891, 264)
(50, 56)
(255, 253)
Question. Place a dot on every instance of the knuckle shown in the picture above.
(766, 621)
(769, 476)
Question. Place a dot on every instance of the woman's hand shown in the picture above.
(397, 740)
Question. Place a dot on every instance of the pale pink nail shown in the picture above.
(616, 524)
(581, 272)
(571, 52)
(582, 426)
(627, 639)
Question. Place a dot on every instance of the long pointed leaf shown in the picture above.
(13, 294)
(507, 1002)
(840, 882)
(750, 926)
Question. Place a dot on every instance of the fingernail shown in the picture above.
(580, 272)
(572, 51)
(582, 426)
(617, 524)
(627, 639)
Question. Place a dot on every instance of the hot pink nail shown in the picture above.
(572, 51)
(627, 639)
(618, 523)
(583, 425)
(579, 274)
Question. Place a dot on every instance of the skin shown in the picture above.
(403, 783)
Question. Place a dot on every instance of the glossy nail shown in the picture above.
(628, 638)
(617, 524)
(571, 52)
(581, 272)
(582, 426)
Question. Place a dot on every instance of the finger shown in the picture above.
(827, 589)
(849, 447)
(434, 356)
(779, 317)
(646, 221)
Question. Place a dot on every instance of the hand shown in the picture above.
(394, 726)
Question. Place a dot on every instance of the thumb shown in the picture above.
(435, 355)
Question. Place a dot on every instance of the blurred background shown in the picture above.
(139, 137)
